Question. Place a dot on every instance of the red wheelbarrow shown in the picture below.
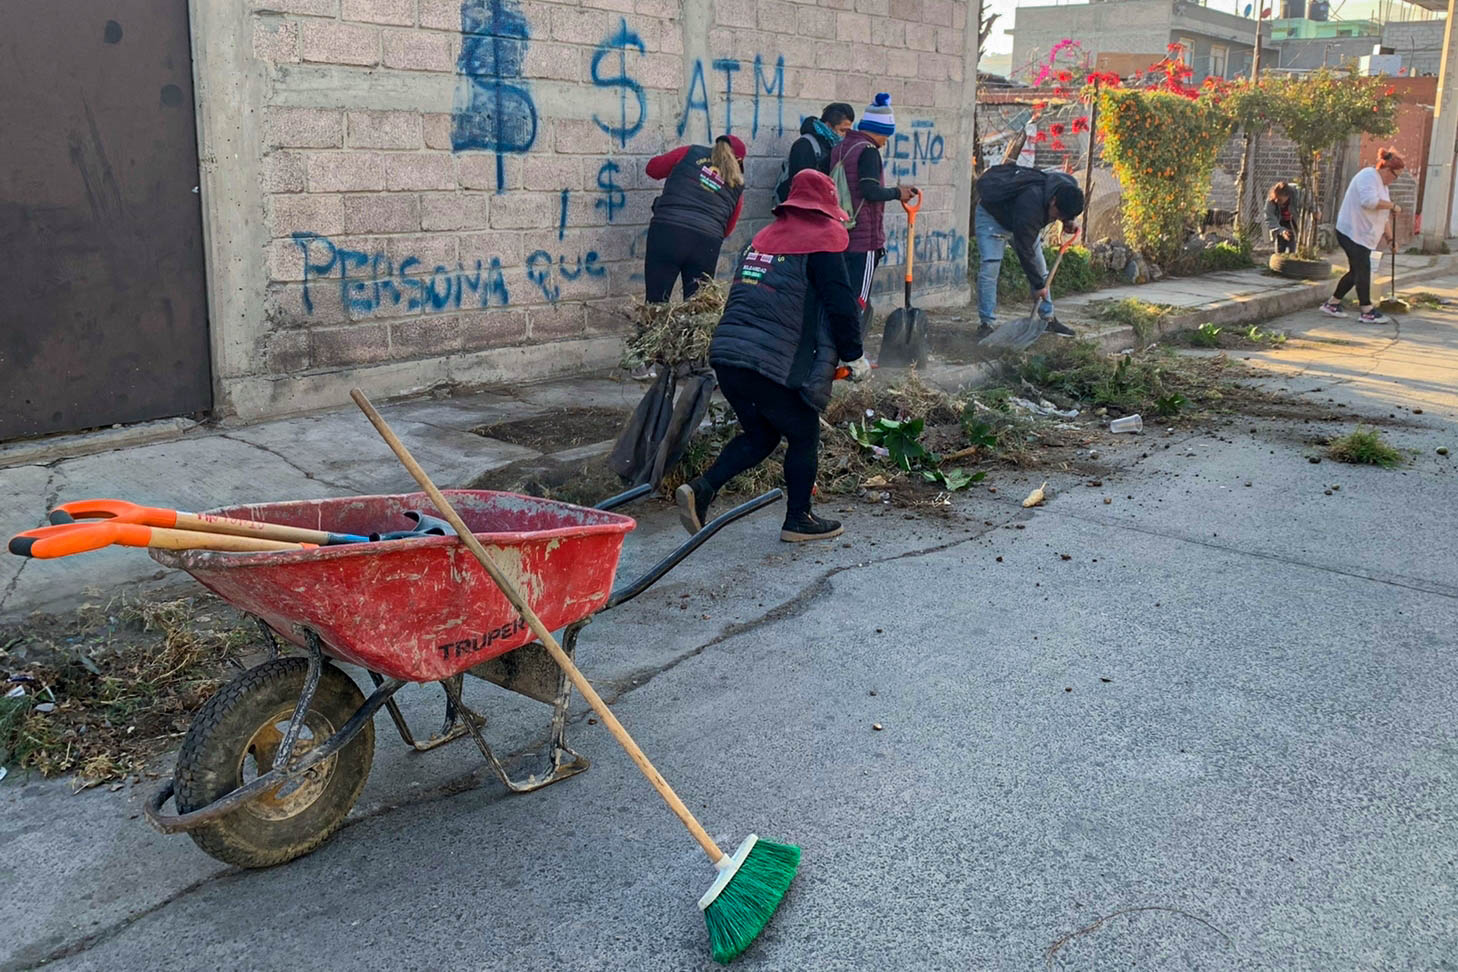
(272, 763)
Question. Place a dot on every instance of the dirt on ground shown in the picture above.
(555, 431)
(102, 690)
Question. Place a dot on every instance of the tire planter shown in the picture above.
(1289, 266)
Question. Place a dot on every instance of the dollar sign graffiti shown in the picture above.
(614, 198)
(490, 112)
(620, 42)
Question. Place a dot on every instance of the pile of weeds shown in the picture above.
(1076, 275)
(101, 690)
(1143, 316)
(1365, 446)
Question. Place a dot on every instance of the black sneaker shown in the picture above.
(1055, 326)
(983, 330)
(693, 499)
(800, 527)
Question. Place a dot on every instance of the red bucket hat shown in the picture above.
(810, 220)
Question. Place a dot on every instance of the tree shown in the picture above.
(1162, 141)
(1318, 112)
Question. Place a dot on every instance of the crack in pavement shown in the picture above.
(1411, 584)
(289, 462)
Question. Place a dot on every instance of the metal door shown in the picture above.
(104, 315)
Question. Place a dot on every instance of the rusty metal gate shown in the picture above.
(103, 317)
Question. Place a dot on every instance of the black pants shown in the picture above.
(768, 412)
(860, 270)
(1359, 271)
(1283, 244)
(675, 253)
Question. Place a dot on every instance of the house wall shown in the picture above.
(401, 194)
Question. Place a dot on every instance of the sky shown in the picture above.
(1001, 43)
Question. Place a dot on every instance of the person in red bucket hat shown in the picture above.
(790, 316)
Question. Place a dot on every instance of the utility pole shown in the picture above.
(1245, 213)
(1438, 179)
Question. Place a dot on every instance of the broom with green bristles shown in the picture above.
(753, 880)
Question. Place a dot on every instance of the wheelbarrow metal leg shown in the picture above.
(563, 761)
(301, 709)
(453, 729)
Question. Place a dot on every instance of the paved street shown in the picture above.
(1208, 725)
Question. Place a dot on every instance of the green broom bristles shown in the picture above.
(744, 905)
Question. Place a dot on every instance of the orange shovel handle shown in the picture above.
(114, 509)
(65, 540)
(120, 511)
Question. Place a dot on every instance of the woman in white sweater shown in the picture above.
(1362, 226)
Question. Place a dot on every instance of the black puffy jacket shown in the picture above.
(789, 318)
(1017, 197)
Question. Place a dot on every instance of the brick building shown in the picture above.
(399, 194)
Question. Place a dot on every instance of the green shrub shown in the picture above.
(1365, 446)
(1077, 274)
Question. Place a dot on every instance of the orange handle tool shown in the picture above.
(67, 539)
(911, 211)
(120, 511)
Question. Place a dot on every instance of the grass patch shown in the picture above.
(1143, 316)
(1227, 255)
(1209, 336)
(1425, 298)
(105, 688)
(1076, 275)
(1365, 447)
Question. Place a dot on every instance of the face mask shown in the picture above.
(826, 132)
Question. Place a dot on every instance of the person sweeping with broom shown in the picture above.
(790, 316)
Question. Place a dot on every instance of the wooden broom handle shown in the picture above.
(540, 630)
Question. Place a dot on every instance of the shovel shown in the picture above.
(904, 341)
(1021, 333)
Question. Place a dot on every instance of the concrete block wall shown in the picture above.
(405, 193)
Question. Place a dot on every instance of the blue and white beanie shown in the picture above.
(878, 118)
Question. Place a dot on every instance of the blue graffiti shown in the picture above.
(730, 67)
(761, 83)
(492, 114)
(699, 102)
(613, 197)
(907, 154)
(621, 42)
(562, 219)
(941, 259)
(697, 99)
(380, 283)
(542, 269)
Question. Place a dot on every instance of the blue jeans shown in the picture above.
(992, 242)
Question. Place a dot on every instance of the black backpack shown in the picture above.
(782, 184)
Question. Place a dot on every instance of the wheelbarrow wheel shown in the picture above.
(233, 739)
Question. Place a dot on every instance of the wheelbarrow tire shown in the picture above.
(227, 729)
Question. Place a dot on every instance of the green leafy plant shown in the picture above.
(1258, 335)
(1167, 406)
(1207, 335)
(1162, 145)
(900, 440)
(952, 480)
(1365, 446)
(979, 435)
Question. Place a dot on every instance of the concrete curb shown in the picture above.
(1226, 313)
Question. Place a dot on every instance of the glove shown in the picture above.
(860, 369)
(1045, 308)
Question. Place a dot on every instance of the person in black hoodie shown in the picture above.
(812, 149)
(1014, 204)
(789, 317)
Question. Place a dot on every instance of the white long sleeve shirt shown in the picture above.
(1359, 219)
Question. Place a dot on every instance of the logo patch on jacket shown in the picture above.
(710, 179)
(755, 266)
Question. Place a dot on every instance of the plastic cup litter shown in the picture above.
(1129, 423)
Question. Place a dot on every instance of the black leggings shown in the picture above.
(1359, 271)
(1284, 245)
(675, 253)
(768, 412)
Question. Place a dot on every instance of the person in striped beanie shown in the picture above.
(860, 157)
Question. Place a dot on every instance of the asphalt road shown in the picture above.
(1208, 725)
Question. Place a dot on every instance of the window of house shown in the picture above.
(1218, 56)
(1187, 50)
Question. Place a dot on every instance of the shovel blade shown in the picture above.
(904, 340)
(1016, 335)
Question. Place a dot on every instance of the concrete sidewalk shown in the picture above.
(335, 452)
(329, 453)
